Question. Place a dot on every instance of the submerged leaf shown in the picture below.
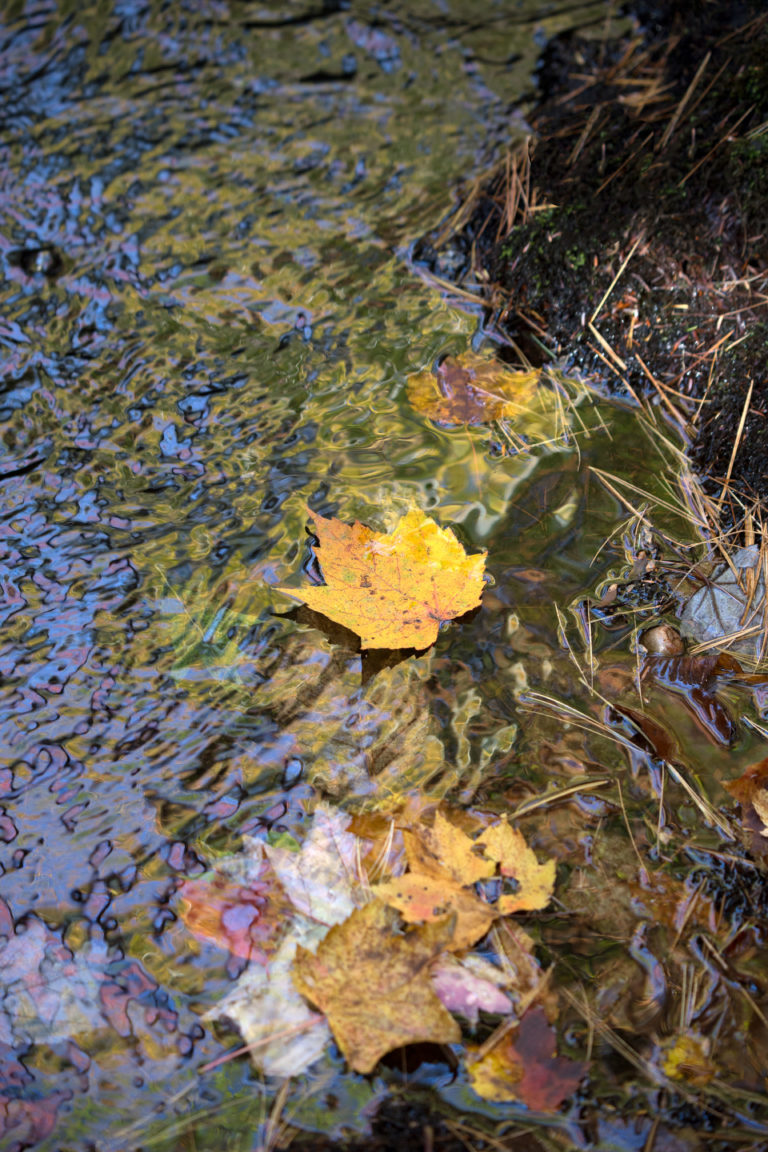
(393, 589)
(242, 917)
(468, 991)
(472, 390)
(321, 879)
(285, 1037)
(525, 1066)
(373, 984)
(695, 678)
(730, 607)
(536, 882)
(422, 899)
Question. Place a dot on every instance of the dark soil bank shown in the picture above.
(628, 233)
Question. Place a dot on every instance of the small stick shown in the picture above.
(601, 339)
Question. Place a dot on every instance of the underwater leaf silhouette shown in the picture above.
(393, 589)
(695, 678)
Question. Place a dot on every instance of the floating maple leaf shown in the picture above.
(393, 589)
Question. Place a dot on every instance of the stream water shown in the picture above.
(208, 316)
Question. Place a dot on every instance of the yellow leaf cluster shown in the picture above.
(444, 865)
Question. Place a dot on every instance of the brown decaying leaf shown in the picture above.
(751, 791)
(472, 390)
(660, 742)
(393, 589)
(391, 1001)
(525, 1066)
(695, 679)
(536, 881)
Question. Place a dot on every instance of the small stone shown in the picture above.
(663, 640)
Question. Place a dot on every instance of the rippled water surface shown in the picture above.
(207, 317)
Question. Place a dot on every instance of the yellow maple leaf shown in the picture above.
(456, 852)
(390, 1001)
(393, 589)
(444, 865)
(536, 881)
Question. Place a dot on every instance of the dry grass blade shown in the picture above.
(284, 1035)
(615, 280)
(617, 1042)
(610, 352)
(681, 106)
(555, 796)
(612, 483)
(674, 412)
(721, 141)
(538, 701)
(710, 814)
(737, 442)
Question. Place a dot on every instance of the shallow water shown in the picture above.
(208, 316)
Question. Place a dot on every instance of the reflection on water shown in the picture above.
(207, 323)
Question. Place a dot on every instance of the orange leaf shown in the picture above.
(425, 898)
(390, 1001)
(393, 589)
(536, 881)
